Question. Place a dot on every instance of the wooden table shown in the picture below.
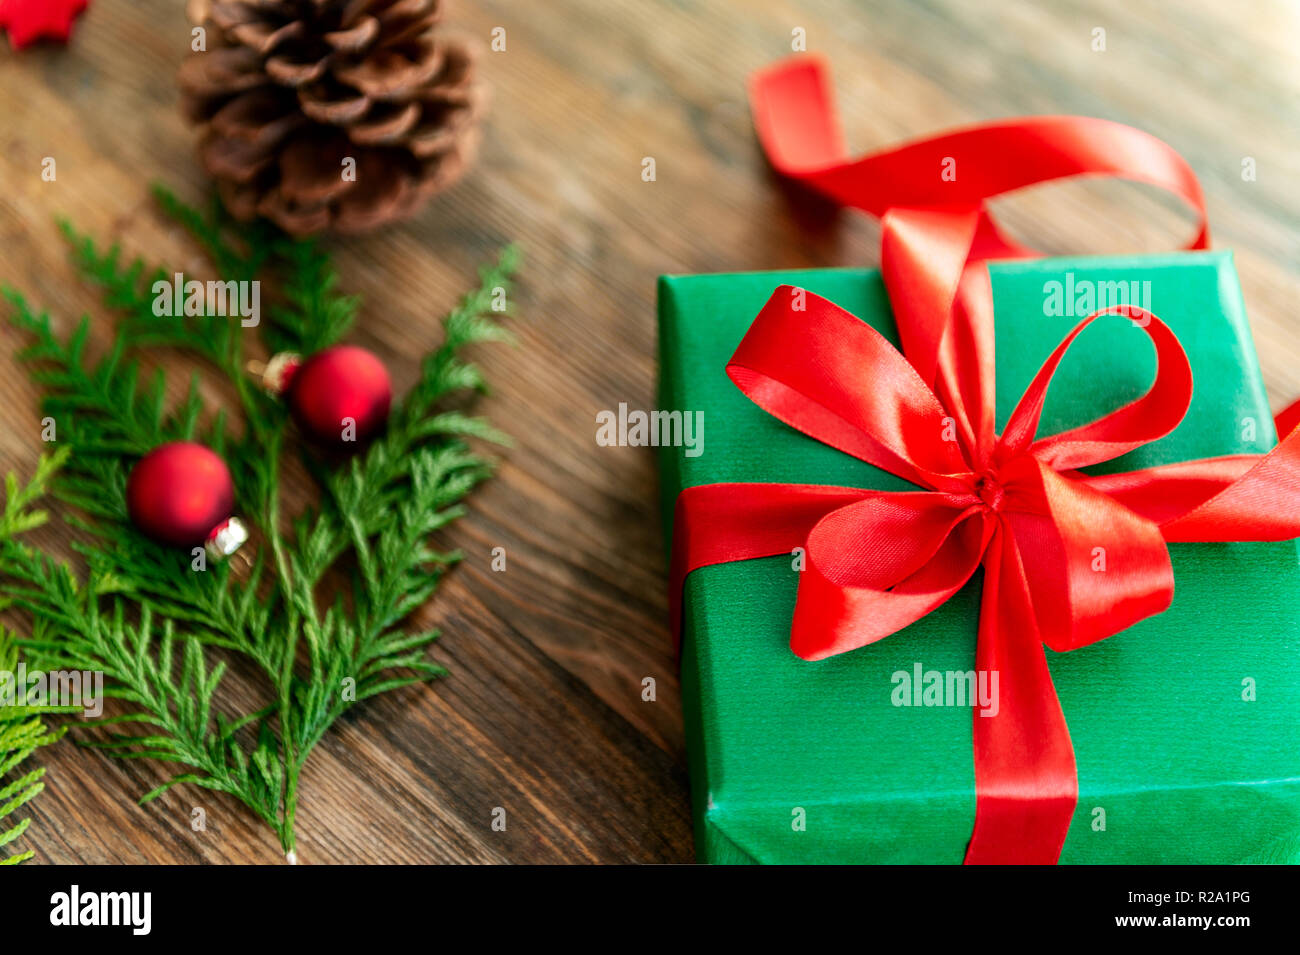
(543, 712)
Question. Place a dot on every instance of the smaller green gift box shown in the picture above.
(1186, 727)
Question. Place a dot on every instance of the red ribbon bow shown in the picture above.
(1016, 503)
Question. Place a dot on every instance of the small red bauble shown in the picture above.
(181, 494)
(340, 396)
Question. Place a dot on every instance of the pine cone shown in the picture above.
(289, 90)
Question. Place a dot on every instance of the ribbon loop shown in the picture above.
(1140, 422)
(847, 387)
(880, 564)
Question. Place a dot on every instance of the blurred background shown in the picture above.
(543, 712)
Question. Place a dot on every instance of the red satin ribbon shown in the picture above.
(1068, 559)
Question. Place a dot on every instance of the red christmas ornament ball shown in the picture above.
(340, 396)
(180, 494)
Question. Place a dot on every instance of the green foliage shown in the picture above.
(162, 632)
(22, 731)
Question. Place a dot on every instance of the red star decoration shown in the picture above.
(30, 20)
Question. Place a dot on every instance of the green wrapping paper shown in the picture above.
(1186, 727)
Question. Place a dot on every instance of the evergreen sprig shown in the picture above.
(162, 631)
(22, 729)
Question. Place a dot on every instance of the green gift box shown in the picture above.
(1186, 727)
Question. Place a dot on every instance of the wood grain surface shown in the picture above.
(543, 713)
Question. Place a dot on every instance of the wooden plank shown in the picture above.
(543, 714)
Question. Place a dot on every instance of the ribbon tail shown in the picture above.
(1026, 786)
